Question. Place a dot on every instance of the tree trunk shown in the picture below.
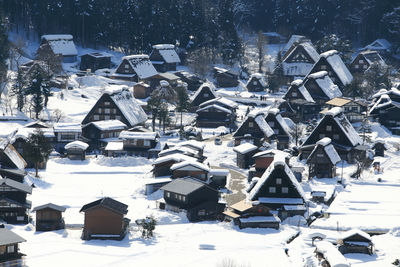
(37, 169)
(181, 119)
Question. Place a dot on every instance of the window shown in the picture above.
(255, 83)
(361, 61)
(107, 111)
(126, 66)
(271, 123)
(355, 109)
(329, 128)
(272, 189)
(336, 136)
(183, 198)
(356, 66)
(10, 249)
(117, 117)
(294, 94)
(323, 67)
(67, 136)
(168, 194)
(99, 110)
(205, 94)
(96, 117)
(107, 117)
(107, 103)
(201, 212)
(285, 190)
(276, 131)
(146, 143)
(319, 155)
(251, 124)
(278, 180)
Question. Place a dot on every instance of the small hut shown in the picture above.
(323, 159)
(95, 61)
(379, 147)
(244, 155)
(356, 241)
(49, 217)
(9, 250)
(256, 83)
(76, 150)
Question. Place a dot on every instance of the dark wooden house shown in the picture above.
(99, 132)
(354, 109)
(254, 127)
(213, 116)
(203, 94)
(281, 130)
(331, 62)
(142, 90)
(34, 66)
(76, 150)
(356, 241)
(164, 57)
(323, 159)
(61, 45)
(279, 190)
(65, 133)
(13, 174)
(248, 215)
(321, 87)
(262, 160)
(14, 206)
(162, 165)
(156, 80)
(9, 156)
(199, 200)
(134, 68)
(244, 155)
(364, 60)
(191, 168)
(95, 61)
(117, 104)
(299, 60)
(335, 126)
(221, 101)
(379, 148)
(193, 82)
(49, 217)
(194, 145)
(256, 83)
(387, 112)
(226, 78)
(9, 251)
(105, 219)
(138, 143)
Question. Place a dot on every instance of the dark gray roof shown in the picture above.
(184, 186)
(8, 237)
(17, 185)
(108, 203)
(27, 204)
(50, 206)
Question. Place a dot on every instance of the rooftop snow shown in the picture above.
(297, 82)
(63, 127)
(216, 107)
(206, 84)
(114, 146)
(331, 254)
(220, 100)
(108, 125)
(8, 237)
(259, 219)
(338, 66)
(244, 148)
(195, 164)
(61, 44)
(138, 135)
(354, 232)
(168, 53)
(174, 157)
(259, 77)
(264, 127)
(77, 144)
(141, 65)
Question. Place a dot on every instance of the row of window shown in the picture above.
(68, 136)
(107, 110)
(176, 196)
(335, 136)
(10, 249)
(135, 142)
(106, 117)
(273, 189)
(7, 189)
(110, 134)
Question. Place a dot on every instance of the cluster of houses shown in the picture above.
(114, 127)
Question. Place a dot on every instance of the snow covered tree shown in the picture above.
(276, 78)
(37, 149)
(334, 42)
(4, 54)
(148, 225)
(200, 60)
(37, 88)
(376, 77)
(261, 42)
(18, 89)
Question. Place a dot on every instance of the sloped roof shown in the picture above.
(338, 101)
(379, 44)
(338, 66)
(108, 203)
(220, 100)
(244, 148)
(62, 127)
(49, 206)
(260, 121)
(168, 53)
(259, 77)
(216, 107)
(201, 88)
(329, 149)
(372, 57)
(17, 185)
(294, 38)
(12, 154)
(138, 135)
(174, 157)
(185, 186)
(353, 232)
(77, 144)
(280, 120)
(195, 164)
(108, 125)
(61, 44)
(8, 237)
(141, 64)
(326, 84)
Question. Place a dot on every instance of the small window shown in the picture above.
(319, 155)
(255, 83)
(294, 94)
(329, 128)
(96, 117)
(117, 117)
(356, 66)
(107, 111)
(99, 110)
(276, 131)
(323, 67)
(278, 180)
(272, 189)
(205, 94)
(183, 198)
(126, 66)
(106, 117)
(168, 194)
(361, 61)
(10, 249)
(146, 143)
(107, 103)
(285, 190)
(251, 124)
(336, 136)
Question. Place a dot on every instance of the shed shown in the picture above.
(60, 44)
(244, 155)
(9, 242)
(379, 147)
(76, 150)
(226, 78)
(256, 83)
(49, 217)
(323, 159)
(356, 241)
(95, 61)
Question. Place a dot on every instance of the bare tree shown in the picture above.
(261, 42)
(57, 115)
(200, 61)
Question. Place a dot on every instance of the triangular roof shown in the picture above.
(214, 106)
(61, 44)
(8, 237)
(259, 77)
(330, 151)
(222, 101)
(185, 186)
(167, 52)
(12, 154)
(192, 163)
(261, 124)
(50, 206)
(379, 44)
(206, 87)
(108, 203)
(278, 117)
(338, 66)
(142, 66)
(371, 57)
(16, 185)
(325, 83)
(294, 38)
(299, 86)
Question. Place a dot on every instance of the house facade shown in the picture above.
(95, 61)
(134, 68)
(323, 159)
(14, 206)
(49, 217)
(9, 247)
(164, 57)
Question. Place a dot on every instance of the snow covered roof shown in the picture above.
(126, 103)
(379, 44)
(304, 92)
(220, 100)
(138, 135)
(297, 82)
(383, 101)
(354, 232)
(25, 133)
(17, 185)
(63, 127)
(61, 44)
(259, 77)
(184, 186)
(267, 174)
(114, 146)
(260, 219)
(265, 128)
(49, 206)
(244, 148)
(333, 58)
(326, 84)
(8, 237)
(77, 144)
(331, 254)
(294, 38)
(193, 143)
(141, 65)
(201, 88)
(174, 157)
(108, 125)
(216, 107)
(178, 150)
(280, 120)
(168, 53)
(373, 57)
(194, 164)
(329, 150)
(12, 154)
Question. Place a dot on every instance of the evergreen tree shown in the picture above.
(261, 42)
(4, 54)
(153, 105)
(37, 149)
(333, 42)
(148, 225)
(183, 101)
(38, 87)
(18, 89)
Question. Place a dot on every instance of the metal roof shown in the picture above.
(184, 186)
(108, 203)
(8, 237)
(50, 206)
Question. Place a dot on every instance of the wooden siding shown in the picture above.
(100, 220)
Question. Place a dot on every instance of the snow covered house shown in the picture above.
(49, 217)
(34, 66)
(321, 87)
(142, 90)
(331, 62)
(293, 41)
(214, 115)
(193, 145)
(299, 60)
(387, 112)
(281, 130)
(164, 57)
(117, 104)
(356, 241)
(193, 82)
(226, 78)
(191, 168)
(221, 101)
(196, 198)
(95, 61)
(383, 46)
(244, 155)
(9, 156)
(329, 255)
(379, 147)
(253, 129)
(138, 143)
(246, 214)
(323, 159)
(76, 150)
(162, 165)
(14, 207)
(61, 45)
(65, 133)
(354, 109)
(205, 92)
(100, 132)
(9, 242)
(336, 126)
(279, 190)
(105, 219)
(157, 80)
(364, 60)
(134, 68)
(256, 83)
(262, 160)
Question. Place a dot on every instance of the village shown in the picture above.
(138, 160)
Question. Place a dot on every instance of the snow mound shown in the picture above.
(395, 232)
(121, 162)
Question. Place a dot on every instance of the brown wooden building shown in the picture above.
(49, 217)
(191, 169)
(162, 165)
(244, 155)
(256, 83)
(213, 116)
(354, 109)
(226, 78)
(9, 250)
(99, 132)
(299, 60)
(104, 219)
(95, 61)
(356, 241)
(164, 57)
(134, 68)
(14, 206)
(61, 45)
(323, 159)
(142, 90)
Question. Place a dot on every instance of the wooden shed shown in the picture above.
(49, 217)
(104, 219)
(9, 250)
(76, 150)
(244, 155)
(95, 61)
(323, 159)
(379, 147)
(356, 241)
